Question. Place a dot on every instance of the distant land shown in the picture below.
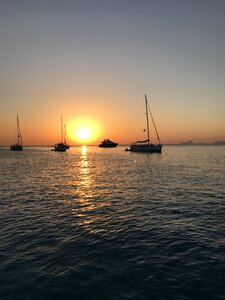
(190, 143)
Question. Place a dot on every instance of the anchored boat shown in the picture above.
(146, 145)
(106, 143)
(18, 146)
(62, 145)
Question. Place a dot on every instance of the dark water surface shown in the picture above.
(107, 224)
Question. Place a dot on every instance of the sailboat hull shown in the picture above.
(16, 147)
(60, 147)
(146, 148)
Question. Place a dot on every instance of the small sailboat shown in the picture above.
(61, 146)
(146, 145)
(106, 143)
(18, 146)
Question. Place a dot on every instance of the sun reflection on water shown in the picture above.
(84, 173)
(89, 204)
(84, 149)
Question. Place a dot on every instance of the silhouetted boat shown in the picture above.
(18, 146)
(61, 146)
(146, 145)
(108, 144)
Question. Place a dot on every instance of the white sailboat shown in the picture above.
(146, 145)
(18, 146)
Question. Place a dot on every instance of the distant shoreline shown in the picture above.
(190, 143)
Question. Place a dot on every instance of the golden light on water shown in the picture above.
(84, 131)
(88, 199)
(84, 150)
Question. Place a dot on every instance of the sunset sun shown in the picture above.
(84, 133)
(84, 130)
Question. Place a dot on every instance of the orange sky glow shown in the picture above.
(94, 63)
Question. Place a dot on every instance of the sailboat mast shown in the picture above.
(146, 108)
(61, 130)
(154, 125)
(19, 138)
(64, 133)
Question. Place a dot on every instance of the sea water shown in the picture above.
(107, 224)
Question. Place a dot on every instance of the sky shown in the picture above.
(93, 61)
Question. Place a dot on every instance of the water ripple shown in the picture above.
(100, 224)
